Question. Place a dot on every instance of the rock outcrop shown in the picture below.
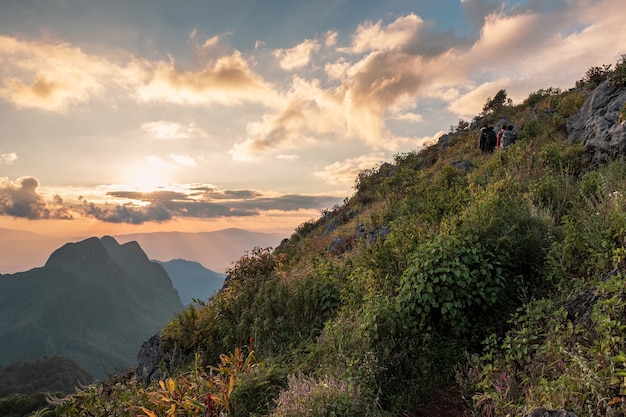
(598, 124)
(149, 358)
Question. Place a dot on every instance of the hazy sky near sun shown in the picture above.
(164, 115)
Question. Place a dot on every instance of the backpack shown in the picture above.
(490, 140)
(508, 138)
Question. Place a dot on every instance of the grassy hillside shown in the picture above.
(496, 279)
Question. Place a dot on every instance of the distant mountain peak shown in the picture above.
(90, 250)
(94, 301)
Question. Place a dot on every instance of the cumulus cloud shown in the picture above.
(353, 110)
(172, 130)
(21, 199)
(330, 38)
(298, 56)
(371, 36)
(229, 81)
(409, 117)
(58, 76)
(389, 67)
(8, 158)
(51, 76)
(344, 172)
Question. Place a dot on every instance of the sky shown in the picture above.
(126, 116)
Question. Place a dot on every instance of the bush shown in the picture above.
(618, 77)
(326, 397)
(450, 282)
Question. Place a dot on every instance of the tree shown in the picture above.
(495, 104)
(462, 126)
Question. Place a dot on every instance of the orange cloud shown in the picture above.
(48, 76)
(298, 56)
(345, 172)
(229, 81)
(376, 37)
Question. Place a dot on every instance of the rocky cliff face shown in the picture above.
(94, 301)
(598, 125)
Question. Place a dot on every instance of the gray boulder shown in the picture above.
(149, 358)
(596, 124)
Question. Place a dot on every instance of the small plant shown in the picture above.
(448, 280)
(310, 397)
(618, 77)
(622, 114)
(594, 76)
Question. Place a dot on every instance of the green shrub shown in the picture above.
(450, 281)
(556, 193)
(618, 77)
(571, 103)
(560, 158)
(255, 391)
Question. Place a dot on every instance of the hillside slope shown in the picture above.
(491, 279)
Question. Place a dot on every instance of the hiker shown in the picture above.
(499, 137)
(482, 140)
(492, 139)
(487, 141)
(508, 137)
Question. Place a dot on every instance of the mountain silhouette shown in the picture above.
(94, 301)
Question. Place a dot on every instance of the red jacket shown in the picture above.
(498, 138)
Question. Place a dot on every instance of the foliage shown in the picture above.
(48, 374)
(19, 405)
(594, 76)
(309, 397)
(618, 77)
(495, 104)
(502, 274)
(449, 282)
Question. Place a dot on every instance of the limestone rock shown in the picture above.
(597, 123)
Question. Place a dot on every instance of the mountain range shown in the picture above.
(217, 250)
(94, 301)
(192, 280)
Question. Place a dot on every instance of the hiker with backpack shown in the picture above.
(508, 137)
(488, 139)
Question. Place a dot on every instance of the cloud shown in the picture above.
(173, 130)
(50, 76)
(184, 160)
(288, 157)
(330, 38)
(371, 36)
(8, 158)
(21, 199)
(355, 109)
(57, 76)
(298, 56)
(409, 117)
(154, 212)
(197, 201)
(228, 81)
(345, 172)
